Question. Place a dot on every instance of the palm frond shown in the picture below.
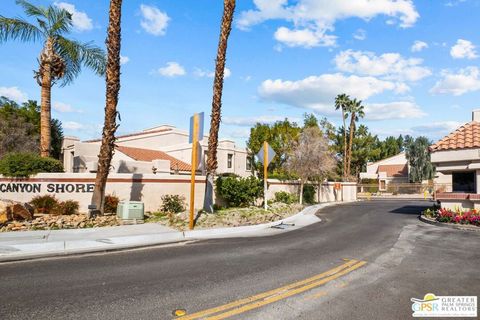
(32, 10)
(18, 29)
(60, 21)
(76, 54)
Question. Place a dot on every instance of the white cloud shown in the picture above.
(466, 80)
(388, 65)
(154, 21)
(440, 128)
(419, 46)
(172, 69)
(360, 34)
(13, 93)
(463, 49)
(318, 92)
(72, 125)
(64, 107)
(80, 19)
(210, 74)
(312, 19)
(250, 121)
(393, 110)
(124, 59)
(303, 38)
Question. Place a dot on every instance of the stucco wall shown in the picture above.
(148, 188)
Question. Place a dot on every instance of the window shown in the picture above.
(464, 182)
(229, 160)
(249, 163)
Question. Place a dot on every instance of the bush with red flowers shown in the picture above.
(471, 216)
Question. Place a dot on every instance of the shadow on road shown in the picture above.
(411, 209)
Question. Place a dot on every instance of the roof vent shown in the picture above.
(476, 115)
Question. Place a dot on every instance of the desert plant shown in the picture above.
(173, 203)
(309, 194)
(239, 192)
(23, 165)
(44, 204)
(285, 197)
(67, 207)
(111, 203)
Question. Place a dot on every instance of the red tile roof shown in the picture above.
(150, 155)
(467, 136)
(134, 134)
(394, 170)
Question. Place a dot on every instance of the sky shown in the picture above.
(414, 64)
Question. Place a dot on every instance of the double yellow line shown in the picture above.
(256, 301)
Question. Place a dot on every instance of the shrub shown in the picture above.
(44, 204)
(285, 197)
(111, 203)
(67, 207)
(309, 194)
(23, 165)
(239, 192)
(173, 203)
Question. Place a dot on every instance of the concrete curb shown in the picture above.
(448, 225)
(26, 251)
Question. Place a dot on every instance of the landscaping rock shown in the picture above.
(13, 210)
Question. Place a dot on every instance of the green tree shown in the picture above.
(356, 111)
(416, 152)
(61, 59)
(390, 146)
(342, 102)
(309, 120)
(280, 136)
(20, 128)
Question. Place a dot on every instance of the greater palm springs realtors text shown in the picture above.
(50, 187)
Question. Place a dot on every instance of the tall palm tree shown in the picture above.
(226, 27)
(61, 59)
(341, 102)
(356, 111)
(112, 89)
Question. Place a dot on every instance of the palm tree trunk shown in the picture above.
(350, 142)
(46, 94)
(226, 27)
(112, 89)
(345, 154)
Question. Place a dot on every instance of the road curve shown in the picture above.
(366, 259)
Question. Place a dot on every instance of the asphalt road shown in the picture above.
(404, 258)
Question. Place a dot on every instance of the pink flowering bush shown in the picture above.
(458, 216)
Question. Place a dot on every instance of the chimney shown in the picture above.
(476, 115)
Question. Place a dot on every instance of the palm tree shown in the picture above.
(112, 89)
(356, 111)
(226, 27)
(60, 59)
(341, 102)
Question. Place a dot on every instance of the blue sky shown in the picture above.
(413, 63)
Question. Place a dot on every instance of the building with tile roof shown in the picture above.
(389, 170)
(161, 150)
(457, 161)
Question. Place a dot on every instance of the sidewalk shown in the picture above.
(47, 243)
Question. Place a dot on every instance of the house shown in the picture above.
(457, 161)
(162, 150)
(393, 169)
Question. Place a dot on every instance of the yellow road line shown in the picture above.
(266, 294)
(287, 294)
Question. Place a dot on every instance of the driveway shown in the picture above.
(363, 261)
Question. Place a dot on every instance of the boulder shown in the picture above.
(13, 210)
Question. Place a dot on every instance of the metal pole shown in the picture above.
(265, 173)
(194, 169)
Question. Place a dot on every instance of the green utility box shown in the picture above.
(130, 212)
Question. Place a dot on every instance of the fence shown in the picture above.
(417, 190)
